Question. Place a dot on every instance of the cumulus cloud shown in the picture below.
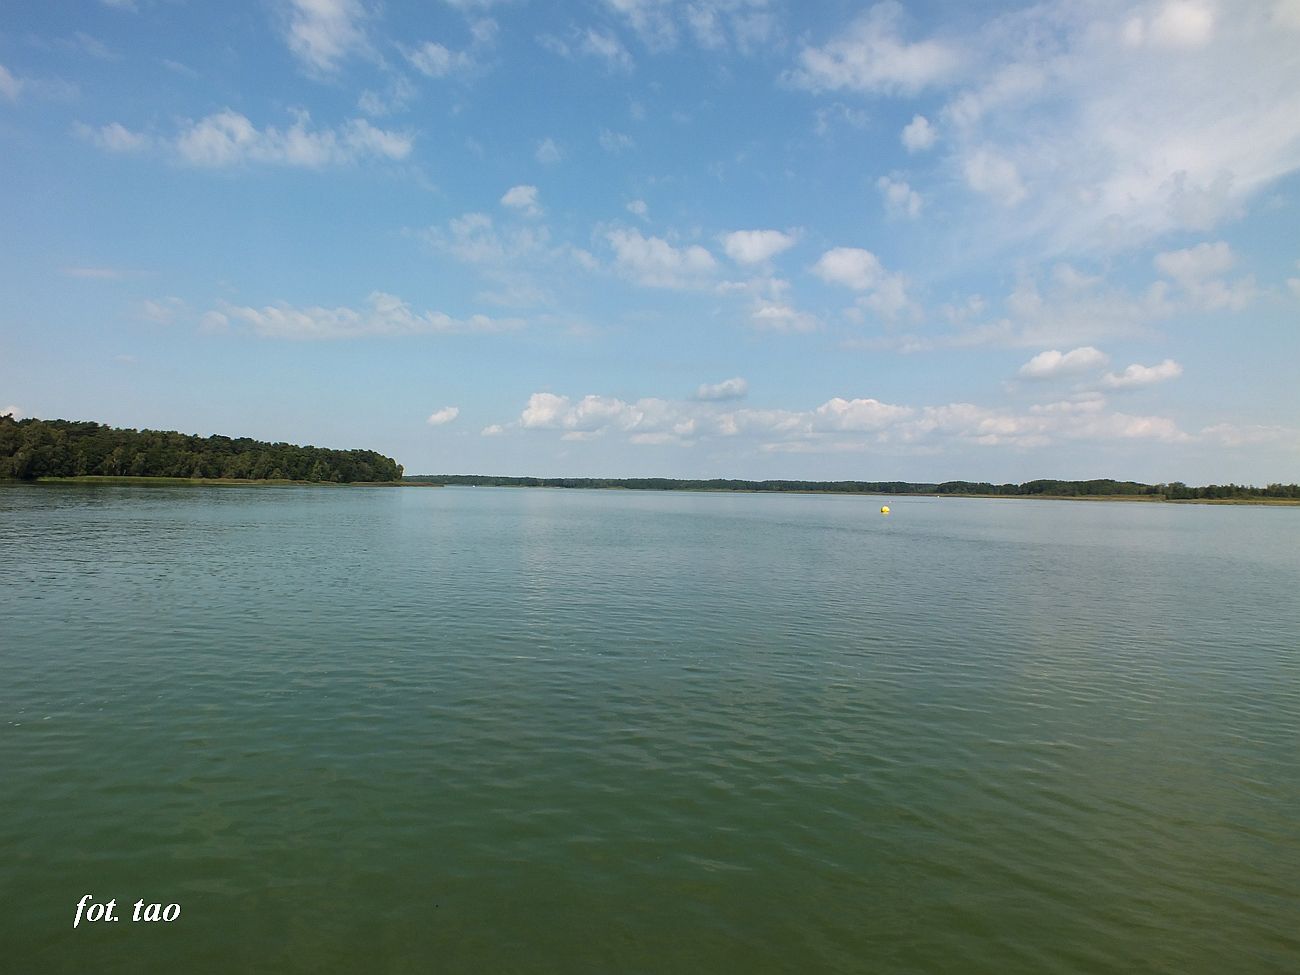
(443, 416)
(387, 315)
(1138, 375)
(638, 208)
(781, 317)
(872, 57)
(919, 135)
(323, 33)
(756, 246)
(852, 267)
(728, 389)
(522, 198)
(899, 198)
(1053, 363)
(653, 262)
(840, 423)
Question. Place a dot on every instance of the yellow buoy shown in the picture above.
(884, 509)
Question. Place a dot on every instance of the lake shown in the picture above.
(509, 730)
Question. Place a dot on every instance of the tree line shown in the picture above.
(33, 448)
(1100, 487)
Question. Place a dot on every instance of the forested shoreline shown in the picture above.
(32, 448)
(1098, 488)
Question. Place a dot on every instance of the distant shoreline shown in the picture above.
(1146, 498)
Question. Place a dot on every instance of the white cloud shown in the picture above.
(994, 175)
(653, 421)
(918, 134)
(1196, 263)
(605, 47)
(1174, 23)
(1238, 435)
(434, 60)
(11, 410)
(228, 139)
(548, 152)
(899, 197)
(443, 416)
(1138, 375)
(213, 321)
(524, 199)
(114, 137)
(653, 262)
(10, 86)
(756, 246)
(858, 414)
(781, 317)
(322, 33)
(872, 57)
(615, 141)
(728, 389)
(1294, 283)
(387, 315)
(1199, 272)
(492, 430)
(1112, 124)
(1053, 363)
(850, 266)
(651, 19)
(395, 98)
(839, 424)
(519, 261)
(639, 208)
(886, 292)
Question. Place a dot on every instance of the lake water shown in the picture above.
(495, 730)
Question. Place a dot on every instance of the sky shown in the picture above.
(687, 238)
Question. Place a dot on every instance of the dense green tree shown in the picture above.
(62, 448)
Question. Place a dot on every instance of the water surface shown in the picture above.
(496, 730)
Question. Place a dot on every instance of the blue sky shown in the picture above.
(744, 238)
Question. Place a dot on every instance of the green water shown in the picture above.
(478, 730)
